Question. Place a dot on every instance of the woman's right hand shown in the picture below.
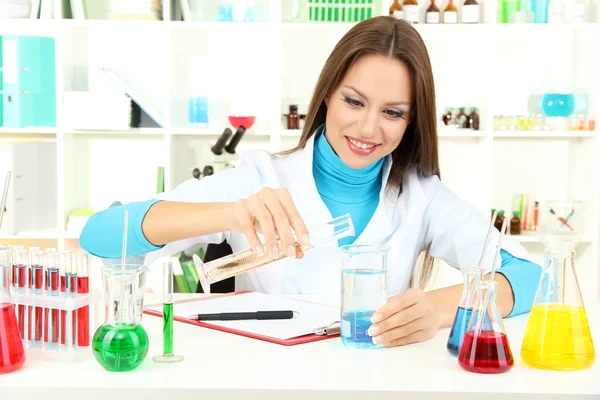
(273, 212)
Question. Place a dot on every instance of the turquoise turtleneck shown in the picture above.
(345, 190)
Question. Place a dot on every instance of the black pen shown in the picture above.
(233, 316)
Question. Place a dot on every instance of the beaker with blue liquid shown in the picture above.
(364, 290)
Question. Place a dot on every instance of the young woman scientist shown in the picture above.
(369, 148)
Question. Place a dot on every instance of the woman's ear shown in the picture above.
(326, 101)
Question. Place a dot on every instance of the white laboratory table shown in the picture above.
(220, 365)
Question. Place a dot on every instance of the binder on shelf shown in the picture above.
(28, 81)
(283, 332)
(1, 83)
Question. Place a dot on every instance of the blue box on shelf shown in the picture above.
(28, 81)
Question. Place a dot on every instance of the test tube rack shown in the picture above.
(61, 302)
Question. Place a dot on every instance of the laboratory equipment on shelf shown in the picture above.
(364, 290)
(485, 348)
(558, 335)
(238, 263)
(4, 196)
(12, 352)
(168, 356)
(121, 343)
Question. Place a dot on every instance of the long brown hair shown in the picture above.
(418, 149)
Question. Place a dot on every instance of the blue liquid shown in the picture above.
(354, 327)
(459, 329)
(363, 291)
(558, 104)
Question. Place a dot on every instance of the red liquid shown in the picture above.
(487, 354)
(39, 311)
(83, 314)
(20, 282)
(12, 354)
(63, 314)
(52, 284)
(247, 122)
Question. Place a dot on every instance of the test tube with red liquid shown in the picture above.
(14, 266)
(30, 314)
(83, 313)
(70, 327)
(66, 264)
(485, 348)
(49, 250)
(20, 277)
(36, 316)
(52, 332)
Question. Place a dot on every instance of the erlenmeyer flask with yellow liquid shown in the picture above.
(558, 335)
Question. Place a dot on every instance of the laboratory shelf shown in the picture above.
(132, 131)
(527, 238)
(31, 235)
(216, 132)
(544, 134)
(38, 130)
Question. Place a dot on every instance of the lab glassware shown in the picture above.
(36, 260)
(558, 335)
(486, 349)
(168, 356)
(243, 261)
(12, 352)
(468, 300)
(364, 290)
(121, 343)
(83, 313)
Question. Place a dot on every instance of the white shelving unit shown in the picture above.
(265, 66)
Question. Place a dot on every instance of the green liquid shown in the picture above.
(168, 329)
(120, 347)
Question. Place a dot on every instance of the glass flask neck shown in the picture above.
(120, 294)
(471, 276)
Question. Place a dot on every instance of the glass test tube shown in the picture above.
(66, 264)
(83, 287)
(36, 261)
(70, 327)
(51, 333)
(168, 355)
(20, 283)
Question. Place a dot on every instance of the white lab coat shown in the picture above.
(426, 215)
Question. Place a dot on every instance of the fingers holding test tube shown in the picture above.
(273, 213)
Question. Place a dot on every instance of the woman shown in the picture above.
(369, 148)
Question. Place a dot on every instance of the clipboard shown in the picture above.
(329, 331)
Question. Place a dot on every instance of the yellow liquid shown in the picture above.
(558, 337)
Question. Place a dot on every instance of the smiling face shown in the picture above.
(367, 114)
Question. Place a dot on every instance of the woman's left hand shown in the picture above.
(406, 318)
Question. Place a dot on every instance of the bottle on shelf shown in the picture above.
(470, 12)
(293, 118)
(499, 220)
(396, 10)
(432, 15)
(515, 224)
(450, 13)
(448, 116)
(473, 119)
(411, 11)
(462, 119)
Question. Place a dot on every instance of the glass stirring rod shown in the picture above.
(168, 356)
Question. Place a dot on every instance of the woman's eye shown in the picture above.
(352, 102)
(394, 114)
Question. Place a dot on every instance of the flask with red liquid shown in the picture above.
(485, 349)
(12, 353)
